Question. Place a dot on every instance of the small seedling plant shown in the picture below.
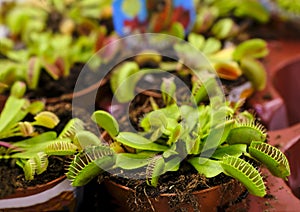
(183, 133)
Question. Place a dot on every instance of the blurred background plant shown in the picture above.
(54, 36)
(49, 35)
(228, 19)
(286, 9)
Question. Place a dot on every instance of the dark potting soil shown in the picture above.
(48, 87)
(67, 112)
(182, 183)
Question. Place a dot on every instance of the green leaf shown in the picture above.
(44, 137)
(41, 161)
(168, 89)
(107, 122)
(7, 44)
(226, 126)
(42, 146)
(172, 165)
(171, 111)
(201, 90)
(245, 173)
(36, 107)
(133, 161)
(29, 169)
(84, 139)
(271, 157)
(168, 153)
(71, 128)
(255, 48)
(61, 147)
(245, 134)
(223, 28)
(177, 30)
(11, 111)
(190, 116)
(255, 72)
(196, 40)
(253, 9)
(175, 134)
(123, 81)
(209, 168)
(153, 120)
(155, 169)
(18, 89)
(211, 46)
(46, 119)
(80, 171)
(33, 72)
(139, 142)
(233, 150)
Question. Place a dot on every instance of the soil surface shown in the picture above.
(182, 183)
(48, 87)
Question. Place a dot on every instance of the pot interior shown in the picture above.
(287, 83)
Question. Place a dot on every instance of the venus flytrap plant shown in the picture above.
(32, 151)
(175, 134)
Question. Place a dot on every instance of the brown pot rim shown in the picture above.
(284, 63)
(31, 190)
(173, 194)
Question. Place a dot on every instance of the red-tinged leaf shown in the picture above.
(33, 72)
(100, 39)
(63, 66)
(52, 70)
(114, 47)
(182, 16)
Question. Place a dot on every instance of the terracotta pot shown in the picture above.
(286, 80)
(21, 192)
(210, 199)
(277, 104)
(56, 195)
